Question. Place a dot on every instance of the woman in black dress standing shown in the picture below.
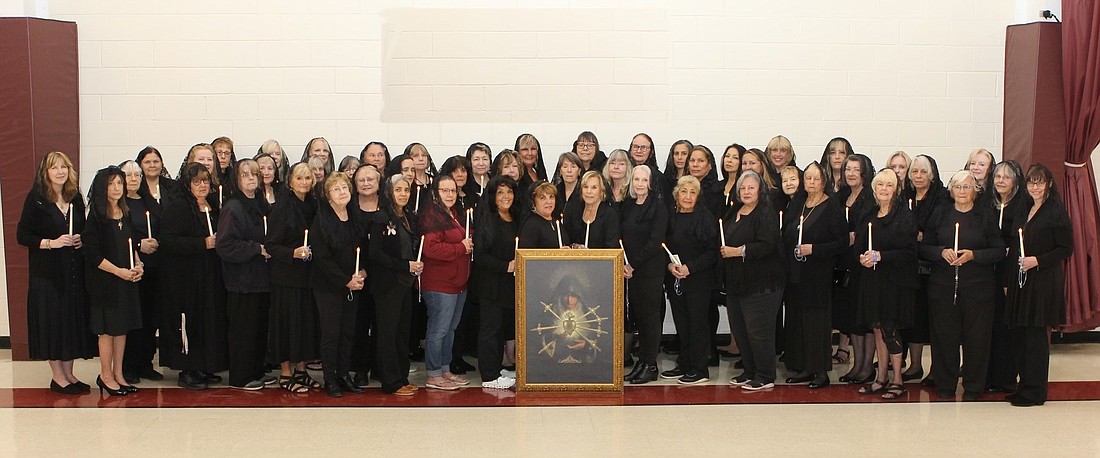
(394, 243)
(337, 277)
(693, 237)
(112, 272)
(1007, 199)
(925, 196)
(57, 309)
(814, 234)
(755, 279)
(141, 343)
(194, 334)
(644, 224)
(247, 279)
(963, 245)
(494, 272)
(293, 333)
(1036, 300)
(887, 242)
(858, 202)
(592, 222)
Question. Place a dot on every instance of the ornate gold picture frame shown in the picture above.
(569, 320)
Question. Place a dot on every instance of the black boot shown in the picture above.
(332, 385)
(192, 380)
(634, 372)
(647, 374)
(347, 384)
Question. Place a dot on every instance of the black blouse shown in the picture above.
(894, 237)
(240, 233)
(393, 244)
(108, 240)
(1048, 236)
(823, 228)
(286, 226)
(43, 220)
(494, 248)
(978, 232)
(537, 232)
(694, 238)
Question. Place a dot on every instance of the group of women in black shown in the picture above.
(244, 263)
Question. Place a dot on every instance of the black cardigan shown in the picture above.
(391, 247)
(824, 228)
(643, 229)
(895, 239)
(286, 226)
(694, 238)
(604, 232)
(760, 268)
(1049, 238)
(494, 248)
(42, 220)
(240, 234)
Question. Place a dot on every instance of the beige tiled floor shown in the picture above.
(910, 429)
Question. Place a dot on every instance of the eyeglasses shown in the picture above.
(585, 145)
(447, 190)
(963, 187)
(1036, 183)
(640, 147)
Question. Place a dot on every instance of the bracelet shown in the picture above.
(48, 247)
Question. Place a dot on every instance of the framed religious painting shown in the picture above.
(569, 320)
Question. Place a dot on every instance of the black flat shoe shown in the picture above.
(675, 372)
(332, 387)
(191, 380)
(928, 382)
(71, 388)
(346, 384)
(646, 375)
(914, 376)
(131, 378)
(693, 378)
(801, 379)
(819, 383)
(1022, 402)
(210, 379)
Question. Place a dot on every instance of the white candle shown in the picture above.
(420, 251)
(70, 220)
(158, 193)
(209, 226)
(801, 221)
(846, 220)
(517, 243)
(221, 196)
(558, 225)
(910, 204)
(265, 225)
(956, 238)
(305, 241)
(587, 226)
(416, 207)
(1001, 219)
(148, 225)
(780, 220)
(469, 212)
(625, 261)
(356, 272)
(722, 231)
(671, 256)
(1022, 243)
(130, 248)
(869, 237)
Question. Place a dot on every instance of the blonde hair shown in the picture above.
(69, 190)
(959, 177)
(592, 174)
(619, 155)
(780, 141)
(888, 176)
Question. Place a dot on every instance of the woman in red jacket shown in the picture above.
(447, 248)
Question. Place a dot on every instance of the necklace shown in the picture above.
(806, 215)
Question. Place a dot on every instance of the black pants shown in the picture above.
(362, 348)
(646, 305)
(141, 344)
(247, 316)
(1031, 348)
(752, 323)
(966, 323)
(336, 317)
(690, 312)
(496, 317)
(393, 313)
(1002, 366)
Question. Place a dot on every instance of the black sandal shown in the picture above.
(303, 378)
(869, 389)
(292, 384)
(839, 360)
(894, 391)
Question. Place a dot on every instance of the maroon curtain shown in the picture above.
(1081, 75)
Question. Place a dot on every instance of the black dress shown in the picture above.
(846, 274)
(886, 292)
(292, 330)
(1049, 237)
(115, 303)
(195, 293)
(537, 232)
(57, 308)
(923, 212)
(810, 281)
(602, 232)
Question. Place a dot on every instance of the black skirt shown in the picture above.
(57, 319)
(292, 332)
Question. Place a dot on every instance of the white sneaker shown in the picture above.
(507, 373)
(501, 383)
